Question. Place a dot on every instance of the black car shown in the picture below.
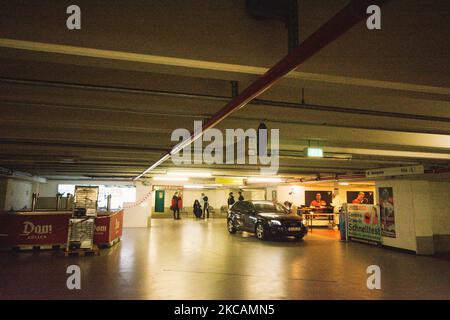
(265, 219)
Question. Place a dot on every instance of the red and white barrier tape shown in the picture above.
(137, 203)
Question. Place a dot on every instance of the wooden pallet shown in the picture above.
(82, 252)
(109, 244)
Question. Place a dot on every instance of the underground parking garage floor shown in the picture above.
(190, 259)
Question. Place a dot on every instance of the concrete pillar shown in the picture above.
(3, 187)
(440, 200)
(18, 195)
(422, 208)
(138, 215)
(405, 234)
(422, 215)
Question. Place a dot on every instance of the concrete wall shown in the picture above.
(422, 215)
(440, 215)
(404, 214)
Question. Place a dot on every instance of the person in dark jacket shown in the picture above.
(205, 206)
(288, 206)
(174, 205)
(197, 209)
(241, 197)
(230, 200)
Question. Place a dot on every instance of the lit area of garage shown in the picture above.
(224, 150)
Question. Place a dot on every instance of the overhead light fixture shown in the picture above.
(344, 183)
(196, 174)
(313, 152)
(193, 186)
(264, 179)
(166, 178)
(214, 185)
(202, 186)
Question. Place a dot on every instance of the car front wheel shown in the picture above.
(231, 227)
(299, 236)
(260, 233)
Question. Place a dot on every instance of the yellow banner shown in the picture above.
(230, 181)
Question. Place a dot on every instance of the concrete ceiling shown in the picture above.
(103, 101)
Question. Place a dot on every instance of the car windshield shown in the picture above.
(270, 207)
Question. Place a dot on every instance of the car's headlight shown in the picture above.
(274, 223)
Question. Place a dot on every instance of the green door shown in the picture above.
(159, 201)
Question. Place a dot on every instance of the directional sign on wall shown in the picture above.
(398, 171)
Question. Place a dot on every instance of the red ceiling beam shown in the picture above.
(344, 20)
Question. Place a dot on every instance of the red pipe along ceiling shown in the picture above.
(345, 19)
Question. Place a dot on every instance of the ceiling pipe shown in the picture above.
(340, 23)
(272, 103)
(175, 94)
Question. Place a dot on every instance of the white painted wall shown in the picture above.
(138, 216)
(298, 193)
(440, 207)
(422, 208)
(50, 188)
(217, 198)
(253, 195)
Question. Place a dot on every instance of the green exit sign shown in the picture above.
(314, 152)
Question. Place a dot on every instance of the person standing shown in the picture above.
(288, 206)
(197, 209)
(230, 200)
(294, 209)
(179, 206)
(205, 206)
(174, 206)
(241, 197)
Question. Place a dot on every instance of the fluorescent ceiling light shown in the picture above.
(314, 152)
(198, 174)
(266, 179)
(344, 183)
(200, 186)
(166, 178)
(193, 186)
(214, 185)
